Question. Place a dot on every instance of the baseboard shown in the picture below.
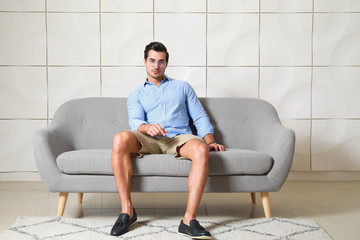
(293, 176)
(19, 176)
(324, 176)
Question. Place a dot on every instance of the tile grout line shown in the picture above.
(47, 67)
(206, 48)
(259, 49)
(288, 118)
(194, 66)
(100, 35)
(311, 86)
(169, 12)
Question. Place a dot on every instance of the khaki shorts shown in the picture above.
(163, 145)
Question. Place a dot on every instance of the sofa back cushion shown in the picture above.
(240, 122)
(91, 123)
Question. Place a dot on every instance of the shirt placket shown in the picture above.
(163, 105)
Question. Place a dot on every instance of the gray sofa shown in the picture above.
(73, 153)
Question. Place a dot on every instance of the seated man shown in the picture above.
(159, 112)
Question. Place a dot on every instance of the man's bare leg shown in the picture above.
(124, 143)
(198, 152)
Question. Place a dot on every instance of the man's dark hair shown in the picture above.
(157, 47)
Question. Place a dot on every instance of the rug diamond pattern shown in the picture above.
(84, 229)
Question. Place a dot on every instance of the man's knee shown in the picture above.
(122, 140)
(203, 148)
(201, 152)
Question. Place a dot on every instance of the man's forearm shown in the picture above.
(209, 138)
(143, 128)
(152, 129)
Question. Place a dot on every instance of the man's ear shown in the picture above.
(144, 61)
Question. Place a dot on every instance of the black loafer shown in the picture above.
(195, 230)
(123, 223)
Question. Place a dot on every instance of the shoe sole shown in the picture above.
(132, 224)
(200, 237)
(127, 230)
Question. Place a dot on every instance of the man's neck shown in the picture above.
(155, 81)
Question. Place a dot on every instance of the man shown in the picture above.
(159, 112)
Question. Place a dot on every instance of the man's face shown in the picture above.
(156, 64)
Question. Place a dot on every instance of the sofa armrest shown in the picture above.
(49, 143)
(279, 143)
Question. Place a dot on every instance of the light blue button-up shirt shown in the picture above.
(170, 105)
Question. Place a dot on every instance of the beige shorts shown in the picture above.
(163, 145)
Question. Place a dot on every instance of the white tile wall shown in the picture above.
(288, 89)
(121, 81)
(232, 82)
(73, 38)
(233, 40)
(303, 56)
(335, 145)
(123, 37)
(233, 6)
(336, 39)
(73, 6)
(285, 39)
(336, 92)
(23, 92)
(23, 38)
(66, 83)
(286, 5)
(126, 6)
(337, 6)
(16, 151)
(184, 35)
(22, 5)
(180, 5)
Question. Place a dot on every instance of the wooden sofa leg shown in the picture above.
(253, 197)
(80, 197)
(265, 198)
(62, 202)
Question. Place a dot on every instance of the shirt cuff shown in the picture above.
(203, 132)
(136, 124)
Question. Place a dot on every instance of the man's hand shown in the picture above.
(216, 147)
(154, 130)
(209, 139)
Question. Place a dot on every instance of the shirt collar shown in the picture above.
(166, 78)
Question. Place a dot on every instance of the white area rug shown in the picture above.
(85, 229)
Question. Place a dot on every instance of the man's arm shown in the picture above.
(201, 121)
(135, 111)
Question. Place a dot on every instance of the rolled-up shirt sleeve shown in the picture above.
(197, 113)
(136, 112)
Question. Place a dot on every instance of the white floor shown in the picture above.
(333, 205)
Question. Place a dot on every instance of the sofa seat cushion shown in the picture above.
(231, 162)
